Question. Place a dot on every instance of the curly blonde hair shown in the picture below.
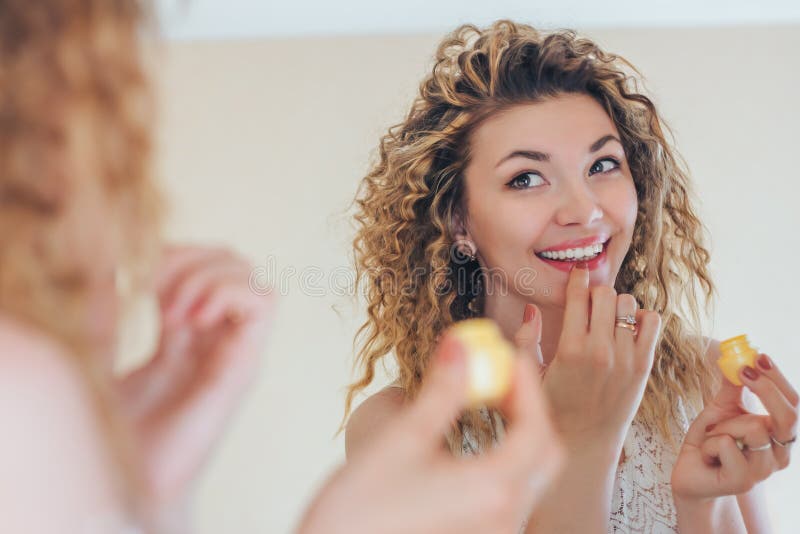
(75, 178)
(407, 203)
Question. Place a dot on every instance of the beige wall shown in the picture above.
(263, 146)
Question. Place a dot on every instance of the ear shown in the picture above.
(458, 226)
(462, 239)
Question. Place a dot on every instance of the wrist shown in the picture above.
(592, 451)
(699, 514)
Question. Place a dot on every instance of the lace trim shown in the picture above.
(642, 498)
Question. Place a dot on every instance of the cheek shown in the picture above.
(508, 231)
(622, 205)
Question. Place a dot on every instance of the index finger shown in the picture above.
(175, 259)
(576, 309)
(771, 371)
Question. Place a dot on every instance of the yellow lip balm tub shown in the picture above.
(490, 359)
(736, 354)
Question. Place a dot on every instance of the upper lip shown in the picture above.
(575, 243)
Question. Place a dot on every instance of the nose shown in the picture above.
(577, 205)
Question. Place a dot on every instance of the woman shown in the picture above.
(83, 449)
(524, 155)
(86, 451)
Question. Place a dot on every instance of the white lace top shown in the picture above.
(642, 499)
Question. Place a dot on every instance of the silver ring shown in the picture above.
(783, 444)
(742, 446)
(628, 319)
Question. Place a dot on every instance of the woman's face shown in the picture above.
(542, 176)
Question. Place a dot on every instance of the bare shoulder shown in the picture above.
(50, 432)
(38, 383)
(30, 357)
(371, 416)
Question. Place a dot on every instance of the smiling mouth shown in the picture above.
(574, 255)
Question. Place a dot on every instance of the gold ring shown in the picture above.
(632, 328)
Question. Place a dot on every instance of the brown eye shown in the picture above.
(600, 168)
(526, 180)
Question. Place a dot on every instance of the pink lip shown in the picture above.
(583, 242)
(593, 264)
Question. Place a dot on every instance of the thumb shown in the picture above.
(728, 398)
(529, 335)
(443, 394)
(728, 395)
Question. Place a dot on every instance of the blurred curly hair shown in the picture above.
(75, 171)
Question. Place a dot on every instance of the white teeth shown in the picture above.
(582, 253)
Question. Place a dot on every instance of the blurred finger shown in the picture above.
(525, 411)
(197, 283)
(229, 302)
(175, 259)
(531, 455)
(442, 397)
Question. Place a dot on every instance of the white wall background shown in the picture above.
(204, 19)
(264, 142)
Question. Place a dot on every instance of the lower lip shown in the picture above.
(592, 264)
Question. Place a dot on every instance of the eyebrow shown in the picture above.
(542, 156)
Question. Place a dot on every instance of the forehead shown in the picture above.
(563, 123)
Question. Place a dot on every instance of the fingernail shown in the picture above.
(709, 428)
(582, 265)
(750, 373)
(764, 362)
(530, 313)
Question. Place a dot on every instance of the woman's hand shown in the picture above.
(711, 464)
(212, 337)
(597, 378)
(594, 385)
(405, 481)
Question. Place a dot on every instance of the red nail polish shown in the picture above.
(709, 428)
(530, 313)
(582, 265)
(764, 362)
(750, 373)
